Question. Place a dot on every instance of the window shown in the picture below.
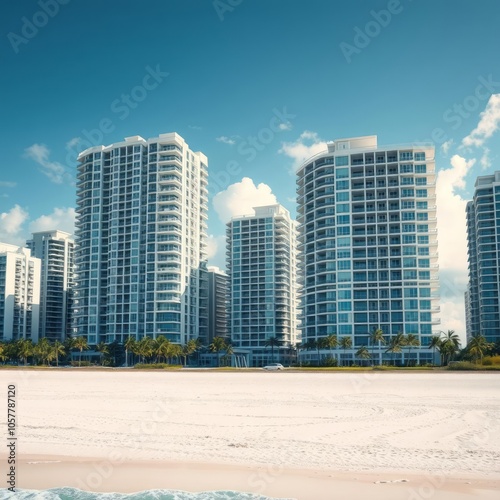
(420, 156)
(405, 155)
(421, 193)
(342, 173)
(421, 169)
(344, 264)
(342, 185)
(342, 208)
(343, 196)
(343, 219)
(405, 193)
(341, 161)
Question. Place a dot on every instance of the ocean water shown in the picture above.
(76, 494)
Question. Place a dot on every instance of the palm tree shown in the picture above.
(43, 350)
(345, 343)
(450, 344)
(24, 349)
(377, 335)
(273, 342)
(129, 346)
(435, 344)
(229, 351)
(411, 341)
(477, 347)
(396, 345)
(80, 343)
(175, 351)
(331, 342)
(102, 348)
(363, 353)
(145, 348)
(218, 344)
(59, 350)
(160, 347)
(3, 352)
(188, 349)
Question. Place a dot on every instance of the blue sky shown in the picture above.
(289, 74)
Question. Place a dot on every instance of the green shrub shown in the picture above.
(491, 360)
(462, 365)
(330, 361)
(156, 366)
(81, 363)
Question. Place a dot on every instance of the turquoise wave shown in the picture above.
(76, 494)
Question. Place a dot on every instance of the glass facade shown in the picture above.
(141, 241)
(368, 241)
(262, 268)
(483, 228)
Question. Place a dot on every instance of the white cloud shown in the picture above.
(285, 126)
(445, 147)
(485, 159)
(11, 225)
(308, 144)
(60, 218)
(489, 123)
(225, 140)
(54, 170)
(217, 250)
(452, 236)
(73, 142)
(240, 198)
(8, 184)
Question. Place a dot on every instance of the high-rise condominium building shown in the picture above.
(218, 301)
(55, 250)
(368, 237)
(19, 293)
(483, 232)
(262, 266)
(141, 241)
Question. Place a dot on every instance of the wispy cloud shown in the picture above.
(73, 142)
(285, 126)
(54, 170)
(195, 127)
(8, 184)
(489, 123)
(445, 147)
(225, 140)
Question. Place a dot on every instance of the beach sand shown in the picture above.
(381, 435)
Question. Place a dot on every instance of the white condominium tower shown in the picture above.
(262, 268)
(483, 235)
(141, 241)
(368, 238)
(19, 293)
(55, 250)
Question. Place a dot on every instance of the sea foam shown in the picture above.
(76, 494)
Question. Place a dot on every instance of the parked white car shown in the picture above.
(274, 366)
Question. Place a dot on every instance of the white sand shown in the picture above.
(435, 425)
